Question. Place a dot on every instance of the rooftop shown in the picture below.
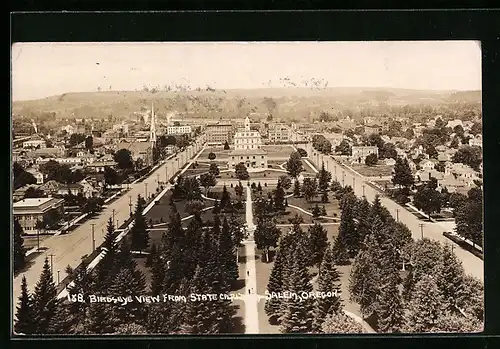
(33, 202)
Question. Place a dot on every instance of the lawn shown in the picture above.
(373, 171)
(332, 207)
(278, 151)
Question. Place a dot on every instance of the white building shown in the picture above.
(179, 130)
(476, 141)
(359, 153)
(69, 129)
(246, 138)
(247, 149)
(453, 123)
(279, 133)
(34, 144)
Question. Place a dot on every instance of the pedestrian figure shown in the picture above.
(248, 291)
(248, 273)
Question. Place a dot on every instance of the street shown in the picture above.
(68, 249)
(434, 231)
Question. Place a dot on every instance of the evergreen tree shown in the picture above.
(424, 307)
(19, 250)
(347, 241)
(450, 279)
(197, 313)
(107, 267)
(328, 281)
(158, 270)
(364, 280)
(362, 215)
(227, 252)
(324, 177)
(402, 173)
(318, 243)
(390, 313)
(277, 278)
(45, 301)
(25, 323)
(259, 187)
(150, 257)
(128, 281)
(138, 233)
(225, 201)
(279, 197)
(341, 323)
(456, 323)
(82, 284)
(266, 235)
(297, 316)
(296, 188)
(424, 259)
(316, 212)
(100, 319)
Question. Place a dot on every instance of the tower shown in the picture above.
(152, 129)
(247, 124)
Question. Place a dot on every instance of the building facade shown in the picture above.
(218, 134)
(34, 144)
(179, 130)
(279, 133)
(30, 211)
(359, 153)
(247, 149)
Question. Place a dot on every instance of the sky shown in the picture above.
(41, 70)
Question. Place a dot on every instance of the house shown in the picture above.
(413, 166)
(426, 175)
(453, 123)
(454, 185)
(427, 165)
(74, 189)
(100, 165)
(20, 192)
(30, 211)
(51, 187)
(476, 141)
(138, 150)
(34, 144)
(444, 157)
(38, 175)
(88, 189)
(390, 162)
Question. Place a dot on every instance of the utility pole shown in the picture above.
(421, 229)
(130, 204)
(363, 190)
(397, 214)
(51, 266)
(58, 271)
(93, 239)
(146, 190)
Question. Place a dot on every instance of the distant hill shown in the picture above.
(223, 102)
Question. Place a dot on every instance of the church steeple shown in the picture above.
(152, 130)
(247, 124)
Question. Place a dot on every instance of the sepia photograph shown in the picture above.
(210, 188)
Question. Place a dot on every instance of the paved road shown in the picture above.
(251, 298)
(69, 248)
(472, 264)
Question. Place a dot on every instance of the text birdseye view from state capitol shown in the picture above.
(247, 188)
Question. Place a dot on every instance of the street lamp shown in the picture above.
(363, 190)
(113, 221)
(421, 229)
(58, 271)
(130, 204)
(397, 214)
(146, 190)
(343, 178)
